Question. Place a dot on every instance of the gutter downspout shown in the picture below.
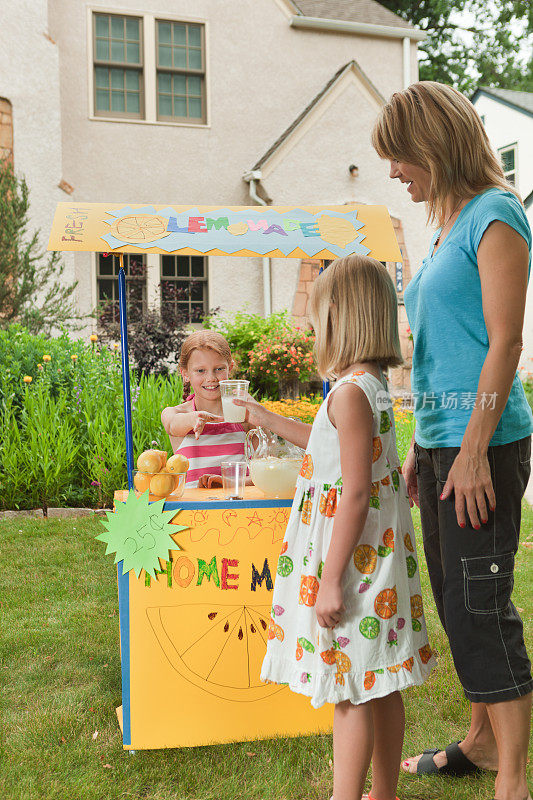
(406, 62)
(251, 178)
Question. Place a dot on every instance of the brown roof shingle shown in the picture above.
(351, 11)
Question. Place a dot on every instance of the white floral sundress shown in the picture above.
(381, 643)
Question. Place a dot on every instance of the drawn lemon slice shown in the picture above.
(140, 228)
(336, 230)
(218, 648)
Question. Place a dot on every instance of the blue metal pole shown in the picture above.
(125, 369)
(325, 384)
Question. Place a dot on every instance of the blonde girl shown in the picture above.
(347, 585)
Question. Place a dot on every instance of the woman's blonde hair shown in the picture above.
(353, 310)
(435, 127)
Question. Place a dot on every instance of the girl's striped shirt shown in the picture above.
(219, 441)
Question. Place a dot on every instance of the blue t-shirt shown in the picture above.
(444, 308)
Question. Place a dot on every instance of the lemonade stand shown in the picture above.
(196, 572)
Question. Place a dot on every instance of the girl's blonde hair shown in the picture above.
(435, 127)
(353, 309)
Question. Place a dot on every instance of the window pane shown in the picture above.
(197, 267)
(165, 56)
(117, 27)
(195, 59)
(132, 53)
(184, 308)
(101, 77)
(164, 32)
(508, 160)
(195, 35)
(194, 86)
(105, 289)
(197, 313)
(167, 266)
(133, 104)
(165, 105)
(132, 29)
(132, 80)
(102, 100)
(164, 82)
(167, 290)
(101, 24)
(102, 49)
(197, 292)
(195, 108)
(117, 78)
(182, 263)
(117, 101)
(117, 51)
(180, 33)
(105, 266)
(180, 107)
(179, 85)
(180, 54)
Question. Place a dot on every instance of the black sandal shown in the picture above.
(458, 764)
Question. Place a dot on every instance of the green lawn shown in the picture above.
(60, 679)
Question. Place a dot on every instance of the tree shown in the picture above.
(32, 291)
(473, 43)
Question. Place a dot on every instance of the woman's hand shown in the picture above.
(411, 478)
(208, 481)
(201, 418)
(329, 606)
(470, 479)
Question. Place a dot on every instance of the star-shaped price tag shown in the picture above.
(139, 533)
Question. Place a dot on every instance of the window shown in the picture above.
(508, 157)
(107, 285)
(147, 69)
(184, 286)
(180, 71)
(118, 66)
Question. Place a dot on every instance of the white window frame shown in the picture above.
(149, 69)
(505, 149)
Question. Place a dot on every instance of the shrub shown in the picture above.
(282, 356)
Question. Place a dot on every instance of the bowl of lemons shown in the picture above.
(160, 475)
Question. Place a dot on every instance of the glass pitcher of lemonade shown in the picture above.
(274, 463)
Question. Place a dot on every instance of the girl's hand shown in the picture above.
(329, 606)
(208, 481)
(255, 412)
(470, 479)
(201, 418)
(411, 478)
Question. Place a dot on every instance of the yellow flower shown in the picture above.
(27, 379)
(47, 358)
(39, 366)
(74, 357)
(115, 346)
(93, 337)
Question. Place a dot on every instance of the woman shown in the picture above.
(469, 460)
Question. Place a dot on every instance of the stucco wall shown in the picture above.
(29, 79)
(261, 74)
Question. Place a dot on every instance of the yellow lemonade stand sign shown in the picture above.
(322, 232)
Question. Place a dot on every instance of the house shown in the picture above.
(203, 102)
(508, 119)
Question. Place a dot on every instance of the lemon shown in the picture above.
(177, 463)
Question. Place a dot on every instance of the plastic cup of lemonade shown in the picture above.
(230, 391)
(234, 478)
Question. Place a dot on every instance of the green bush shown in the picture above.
(62, 434)
(528, 389)
(244, 332)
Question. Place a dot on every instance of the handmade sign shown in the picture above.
(321, 232)
(139, 533)
(193, 639)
